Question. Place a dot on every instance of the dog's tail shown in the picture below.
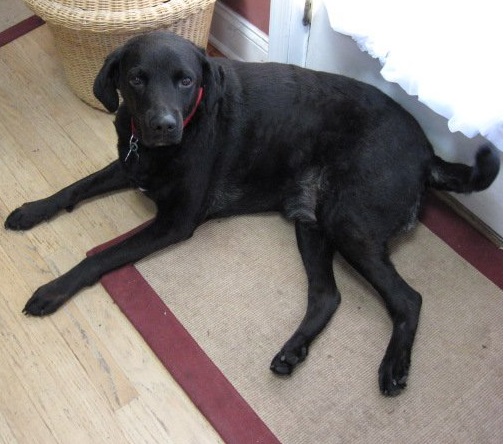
(462, 178)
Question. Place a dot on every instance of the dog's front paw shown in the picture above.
(393, 374)
(46, 300)
(285, 361)
(28, 215)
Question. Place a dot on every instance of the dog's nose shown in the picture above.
(163, 123)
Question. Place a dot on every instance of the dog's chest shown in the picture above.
(147, 171)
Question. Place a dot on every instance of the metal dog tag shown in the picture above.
(133, 148)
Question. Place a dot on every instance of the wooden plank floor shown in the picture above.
(82, 375)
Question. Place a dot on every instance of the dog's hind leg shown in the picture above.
(323, 297)
(403, 303)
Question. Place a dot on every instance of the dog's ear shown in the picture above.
(107, 81)
(212, 78)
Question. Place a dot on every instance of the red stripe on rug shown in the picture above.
(204, 383)
(463, 238)
(206, 386)
(20, 29)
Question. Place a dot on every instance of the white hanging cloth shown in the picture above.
(448, 53)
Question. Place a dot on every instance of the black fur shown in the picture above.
(342, 160)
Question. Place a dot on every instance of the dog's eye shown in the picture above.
(136, 81)
(186, 81)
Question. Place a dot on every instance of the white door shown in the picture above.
(318, 46)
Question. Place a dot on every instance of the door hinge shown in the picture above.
(307, 15)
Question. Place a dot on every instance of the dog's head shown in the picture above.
(159, 76)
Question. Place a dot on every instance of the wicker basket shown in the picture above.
(86, 31)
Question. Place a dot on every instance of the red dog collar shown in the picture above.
(198, 101)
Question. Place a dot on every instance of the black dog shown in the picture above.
(206, 138)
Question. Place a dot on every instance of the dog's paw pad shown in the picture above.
(45, 300)
(393, 377)
(16, 220)
(285, 361)
(26, 216)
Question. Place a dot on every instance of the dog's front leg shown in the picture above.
(110, 178)
(159, 234)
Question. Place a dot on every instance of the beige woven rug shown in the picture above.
(239, 288)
